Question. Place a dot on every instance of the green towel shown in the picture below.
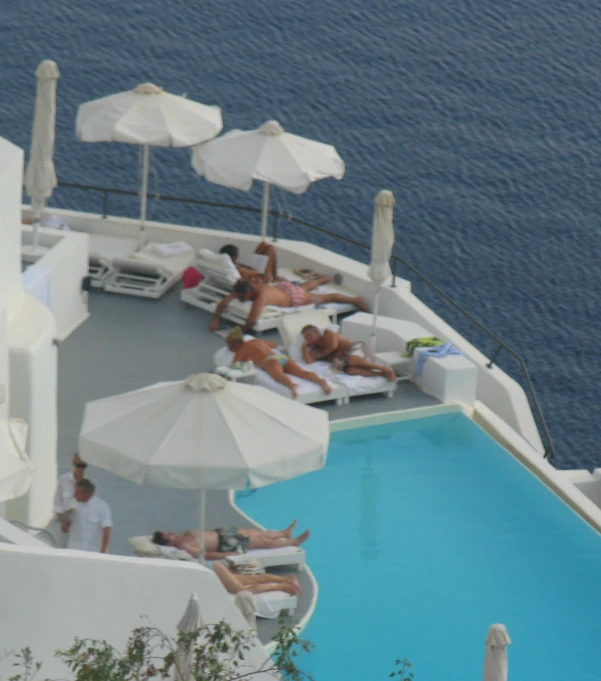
(428, 342)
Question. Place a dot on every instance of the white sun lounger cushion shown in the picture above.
(171, 249)
(217, 264)
(269, 604)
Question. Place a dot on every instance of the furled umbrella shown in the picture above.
(150, 117)
(40, 175)
(495, 658)
(190, 622)
(204, 433)
(382, 241)
(16, 469)
(269, 154)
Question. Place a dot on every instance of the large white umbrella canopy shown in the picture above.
(269, 154)
(495, 658)
(40, 175)
(382, 242)
(204, 433)
(148, 116)
(16, 469)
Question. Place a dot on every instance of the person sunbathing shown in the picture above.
(230, 541)
(265, 356)
(344, 354)
(269, 271)
(280, 294)
(235, 582)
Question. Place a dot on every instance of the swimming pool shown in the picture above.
(423, 534)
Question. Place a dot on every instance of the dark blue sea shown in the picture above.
(483, 118)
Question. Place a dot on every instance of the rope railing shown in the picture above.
(277, 216)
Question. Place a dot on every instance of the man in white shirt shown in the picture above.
(64, 499)
(89, 525)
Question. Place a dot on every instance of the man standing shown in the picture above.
(89, 525)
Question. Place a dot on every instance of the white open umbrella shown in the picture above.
(148, 116)
(382, 241)
(268, 154)
(40, 175)
(16, 469)
(495, 658)
(204, 433)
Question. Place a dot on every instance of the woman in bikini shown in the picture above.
(276, 364)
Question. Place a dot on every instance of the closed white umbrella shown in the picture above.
(382, 241)
(204, 433)
(495, 658)
(40, 175)
(184, 655)
(148, 116)
(16, 469)
(269, 154)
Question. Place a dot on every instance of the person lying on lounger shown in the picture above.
(229, 541)
(256, 584)
(345, 355)
(265, 356)
(280, 294)
(270, 270)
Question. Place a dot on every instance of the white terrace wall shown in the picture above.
(50, 596)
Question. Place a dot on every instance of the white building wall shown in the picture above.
(50, 596)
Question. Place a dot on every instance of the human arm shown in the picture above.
(307, 351)
(255, 313)
(219, 309)
(106, 538)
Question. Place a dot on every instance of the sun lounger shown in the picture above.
(271, 604)
(104, 248)
(309, 393)
(220, 275)
(290, 330)
(147, 274)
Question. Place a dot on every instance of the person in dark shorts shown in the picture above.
(230, 541)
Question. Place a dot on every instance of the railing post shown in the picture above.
(393, 285)
(274, 230)
(494, 357)
(105, 203)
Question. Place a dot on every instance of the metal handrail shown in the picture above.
(277, 215)
(40, 530)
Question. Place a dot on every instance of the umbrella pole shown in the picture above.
(372, 340)
(202, 504)
(265, 211)
(144, 192)
(37, 206)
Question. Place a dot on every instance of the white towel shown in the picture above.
(171, 249)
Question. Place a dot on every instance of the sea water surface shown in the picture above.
(482, 117)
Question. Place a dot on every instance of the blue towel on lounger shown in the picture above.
(438, 351)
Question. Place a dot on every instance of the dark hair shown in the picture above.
(242, 288)
(86, 485)
(159, 538)
(231, 250)
(309, 327)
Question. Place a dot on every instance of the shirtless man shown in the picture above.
(332, 347)
(265, 356)
(228, 541)
(281, 294)
(271, 266)
(235, 582)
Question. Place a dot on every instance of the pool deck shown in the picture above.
(131, 342)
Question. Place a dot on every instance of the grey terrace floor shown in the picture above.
(128, 343)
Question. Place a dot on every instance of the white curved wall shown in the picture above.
(50, 596)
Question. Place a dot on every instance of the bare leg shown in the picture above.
(312, 284)
(229, 580)
(267, 542)
(354, 363)
(336, 298)
(269, 578)
(293, 368)
(276, 371)
(286, 533)
(236, 583)
(271, 269)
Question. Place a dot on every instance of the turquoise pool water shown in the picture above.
(426, 532)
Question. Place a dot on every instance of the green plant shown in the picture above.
(401, 672)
